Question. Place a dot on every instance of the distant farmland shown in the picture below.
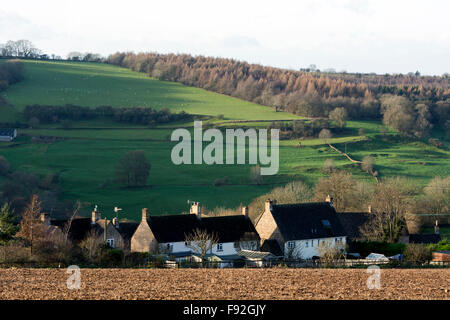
(86, 157)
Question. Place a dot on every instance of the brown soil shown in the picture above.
(225, 284)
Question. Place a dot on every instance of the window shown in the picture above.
(307, 244)
(291, 245)
(220, 247)
(312, 243)
(110, 242)
(169, 247)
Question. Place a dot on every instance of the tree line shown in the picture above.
(69, 112)
(311, 94)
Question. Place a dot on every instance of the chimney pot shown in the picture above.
(45, 218)
(196, 209)
(95, 215)
(369, 209)
(245, 211)
(115, 222)
(268, 206)
(144, 214)
(329, 199)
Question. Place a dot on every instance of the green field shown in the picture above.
(95, 84)
(87, 155)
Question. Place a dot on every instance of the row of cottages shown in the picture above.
(7, 134)
(167, 234)
(299, 230)
(289, 230)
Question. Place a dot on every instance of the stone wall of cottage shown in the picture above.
(112, 233)
(143, 239)
(267, 228)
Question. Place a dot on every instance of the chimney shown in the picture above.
(95, 215)
(115, 222)
(245, 211)
(144, 214)
(196, 209)
(369, 209)
(268, 206)
(45, 218)
(329, 199)
(436, 227)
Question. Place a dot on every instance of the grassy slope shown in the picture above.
(87, 156)
(93, 84)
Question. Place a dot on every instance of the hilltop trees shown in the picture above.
(20, 48)
(133, 169)
(311, 94)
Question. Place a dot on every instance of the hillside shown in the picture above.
(96, 84)
(86, 155)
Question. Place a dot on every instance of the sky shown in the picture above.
(382, 36)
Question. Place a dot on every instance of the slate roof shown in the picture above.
(307, 221)
(352, 221)
(6, 132)
(230, 228)
(173, 228)
(424, 238)
(79, 228)
(127, 229)
(272, 246)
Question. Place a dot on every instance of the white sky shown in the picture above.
(358, 36)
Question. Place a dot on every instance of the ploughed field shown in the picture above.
(225, 284)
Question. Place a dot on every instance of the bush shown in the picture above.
(435, 142)
(135, 259)
(364, 248)
(112, 258)
(417, 253)
(443, 245)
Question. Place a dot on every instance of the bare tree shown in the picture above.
(389, 205)
(91, 246)
(329, 166)
(325, 135)
(31, 227)
(340, 185)
(133, 169)
(329, 252)
(339, 116)
(201, 241)
(367, 164)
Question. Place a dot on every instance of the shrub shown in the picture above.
(443, 245)
(417, 253)
(435, 142)
(364, 248)
(112, 257)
